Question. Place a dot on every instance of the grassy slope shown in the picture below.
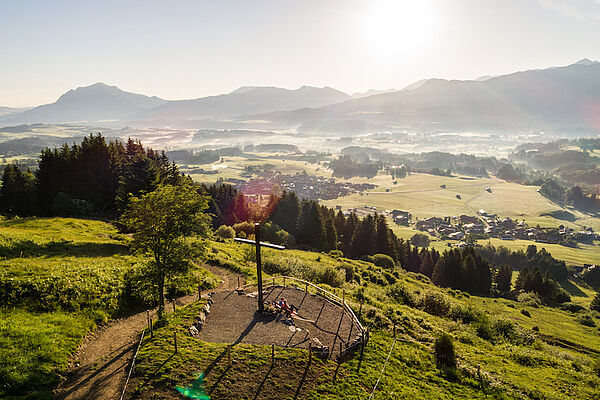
(58, 278)
(509, 369)
(75, 268)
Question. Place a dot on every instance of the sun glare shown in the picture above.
(394, 28)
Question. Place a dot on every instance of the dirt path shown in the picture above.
(99, 368)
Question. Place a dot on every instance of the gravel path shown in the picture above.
(234, 319)
(99, 368)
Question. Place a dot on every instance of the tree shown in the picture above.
(420, 240)
(504, 278)
(17, 195)
(162, 223)
(445, 354)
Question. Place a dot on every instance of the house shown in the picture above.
(456, 236)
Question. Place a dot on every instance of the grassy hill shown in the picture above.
(59, 278)
(506, 349)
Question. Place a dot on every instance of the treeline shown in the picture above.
(91, 179)
(530, 258)
(308, 225)
(574, 195)
(346, 167)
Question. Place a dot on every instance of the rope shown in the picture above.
(132, 364)
(383, 369)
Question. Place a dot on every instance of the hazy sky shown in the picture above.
(192, 48)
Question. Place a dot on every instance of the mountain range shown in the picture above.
(560, 98)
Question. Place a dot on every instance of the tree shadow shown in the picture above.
(572, 289)
(28, 248)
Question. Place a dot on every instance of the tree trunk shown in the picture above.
(161, 295)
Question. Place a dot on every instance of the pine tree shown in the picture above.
(504, 278)
(427, 264)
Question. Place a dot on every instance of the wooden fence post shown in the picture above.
(229, 355)
(148, 319)
(284, 282)
(151, 329)
(238, 281)
(175, 340)
(306, 287)
(173, 305)
(272, 355)
(339, 361)
(199, 294)
(360, 308)
(362, 351)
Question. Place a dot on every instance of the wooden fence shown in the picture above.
(363, 333)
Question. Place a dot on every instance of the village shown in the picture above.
(467, 229)
(305, 186)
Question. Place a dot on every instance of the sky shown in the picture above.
(181, 49)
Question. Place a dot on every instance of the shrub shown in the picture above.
(586, 320)
(574, 308)
(399, 293)
(336, 253)
(595, 304)
(247, 227)
(225, 232)
(435, 304)
(348, 271)
(445, 354)
(529, 299)
(466, 314)
(384, 261)
(331, 276)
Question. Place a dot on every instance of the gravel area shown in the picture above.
(234, 318)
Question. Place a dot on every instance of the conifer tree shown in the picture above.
(504, 278)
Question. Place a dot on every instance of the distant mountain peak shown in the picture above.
(586, 62)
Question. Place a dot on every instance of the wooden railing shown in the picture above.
(327, 295)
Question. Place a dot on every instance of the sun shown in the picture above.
(395, 28)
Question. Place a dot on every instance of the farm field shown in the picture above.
(233, 167)
(422, 196)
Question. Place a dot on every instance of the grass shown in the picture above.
(556, 361)
(60, 277)
(34, 349)
(235, 167)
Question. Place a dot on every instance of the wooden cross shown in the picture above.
(258, 244)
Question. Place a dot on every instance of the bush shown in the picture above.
(445, 354)
(435, 304)
(225, 232)
(336, 253)
(384, 261)
(399, 293)
(466, 314)
(497, 329)
(586, 320)
(574, 308)
(247, 227)
(529, 299)
(595, 304)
